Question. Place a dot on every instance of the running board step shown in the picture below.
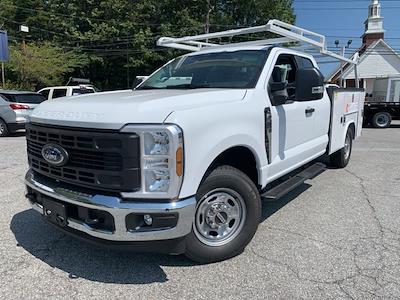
(294, 182)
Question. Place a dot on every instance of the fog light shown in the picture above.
(148, 220)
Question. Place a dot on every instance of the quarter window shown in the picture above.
(57, 93)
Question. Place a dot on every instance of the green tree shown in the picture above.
(36, 66)
(119, 36)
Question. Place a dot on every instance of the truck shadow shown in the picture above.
(271, 207)
(81, 260)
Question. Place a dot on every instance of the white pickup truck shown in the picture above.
(181, 163)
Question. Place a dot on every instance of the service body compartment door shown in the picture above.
(347, 108)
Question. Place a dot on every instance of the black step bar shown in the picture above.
(294, 182)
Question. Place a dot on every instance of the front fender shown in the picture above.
(210, 131)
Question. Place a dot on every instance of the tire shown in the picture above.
(3, 129)
(227, 216)
(381, 120)
(341, 158)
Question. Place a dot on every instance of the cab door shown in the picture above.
(293, 133)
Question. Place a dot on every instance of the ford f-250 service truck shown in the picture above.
(181, 163)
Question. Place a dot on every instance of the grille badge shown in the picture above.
(55, 155)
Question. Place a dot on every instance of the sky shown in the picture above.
(344, 19)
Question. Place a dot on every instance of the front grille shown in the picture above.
(105, 160)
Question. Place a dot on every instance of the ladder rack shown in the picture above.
(289, 33)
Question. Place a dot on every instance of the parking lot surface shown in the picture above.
(336, 237)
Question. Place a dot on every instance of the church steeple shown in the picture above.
(374, 24)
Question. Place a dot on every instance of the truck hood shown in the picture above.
(112, 110)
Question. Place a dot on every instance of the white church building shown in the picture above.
(379, 64)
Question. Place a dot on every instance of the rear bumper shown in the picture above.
(15, 126)
(118, 208)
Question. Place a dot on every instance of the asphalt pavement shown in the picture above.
(336, 237)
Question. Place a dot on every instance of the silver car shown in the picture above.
(15, 107)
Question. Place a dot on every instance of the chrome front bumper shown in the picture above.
(119, 209)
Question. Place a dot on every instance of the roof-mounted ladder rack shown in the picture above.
(289, 33)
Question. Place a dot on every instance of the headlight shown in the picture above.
(161, 160)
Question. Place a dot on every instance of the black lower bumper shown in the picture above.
(15, 126)
(172, 247)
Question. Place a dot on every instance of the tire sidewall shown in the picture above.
(5, 131)
(349, 135)
(375, 120)
(241, 184)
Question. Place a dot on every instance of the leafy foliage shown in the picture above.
(118, 36)
(36, 66)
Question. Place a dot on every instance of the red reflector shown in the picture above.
(19, 106)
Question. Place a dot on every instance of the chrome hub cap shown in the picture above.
(220, 217)
(347, 145)
(1, 128)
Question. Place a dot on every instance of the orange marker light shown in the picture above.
(179, 162)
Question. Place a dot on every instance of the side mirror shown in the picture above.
(309, 84)
(138, 80)
(278, 92)
(277, 86)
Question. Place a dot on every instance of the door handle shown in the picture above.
(310, 110)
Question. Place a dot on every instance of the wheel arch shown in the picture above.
(240, 157)
(352, 127)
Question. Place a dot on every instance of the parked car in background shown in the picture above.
(66, 91)
(15, 107)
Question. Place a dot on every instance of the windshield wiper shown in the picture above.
(188, 86)
(149, 88)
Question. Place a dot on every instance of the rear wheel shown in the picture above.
(3, 128)
(381, 120)
(227, 216)
(341, 158)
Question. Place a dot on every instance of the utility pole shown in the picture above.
(24, 29)
(3, 77)
(127, 62)
(209, 10)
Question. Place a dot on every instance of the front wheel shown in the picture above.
(341, 158)
(227, 216)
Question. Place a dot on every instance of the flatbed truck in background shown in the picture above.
(381, 114)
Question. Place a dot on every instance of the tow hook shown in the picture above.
(31, 197)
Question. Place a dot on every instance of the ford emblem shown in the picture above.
(55, 155)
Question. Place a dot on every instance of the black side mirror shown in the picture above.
(278, 93)
(277, 86)
(309, 84)
(137, 81)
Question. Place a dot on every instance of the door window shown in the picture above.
(305, 62)
(57, 93)
(45, 93)
(285, 72)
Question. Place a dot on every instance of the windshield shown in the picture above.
(25, 98)
(238, 69)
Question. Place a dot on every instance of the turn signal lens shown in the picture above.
(179, 162)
